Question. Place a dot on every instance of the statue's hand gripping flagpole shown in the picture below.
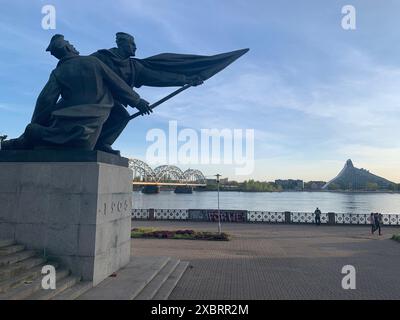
(156, 104)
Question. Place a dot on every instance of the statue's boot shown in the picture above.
(14, 144)
(108, 149)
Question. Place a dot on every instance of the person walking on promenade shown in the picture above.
(373, 224)
(378, 222)
(317, 213)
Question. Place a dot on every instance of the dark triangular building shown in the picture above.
(352, 178)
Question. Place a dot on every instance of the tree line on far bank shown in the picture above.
(264, 186)
(369, 186)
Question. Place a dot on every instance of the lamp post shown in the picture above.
(219, 213)
(2, 138)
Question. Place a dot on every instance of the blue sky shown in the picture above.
(314, 93)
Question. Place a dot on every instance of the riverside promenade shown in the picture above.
(265, 261)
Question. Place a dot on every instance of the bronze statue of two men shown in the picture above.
(83, 104)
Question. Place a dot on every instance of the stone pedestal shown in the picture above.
(74, 207)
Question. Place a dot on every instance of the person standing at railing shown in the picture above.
(317, 213)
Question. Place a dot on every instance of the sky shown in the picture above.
(314, 94)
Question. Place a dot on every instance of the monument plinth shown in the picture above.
(71, 205)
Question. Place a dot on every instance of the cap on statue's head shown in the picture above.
(57, 41)
(123, 36)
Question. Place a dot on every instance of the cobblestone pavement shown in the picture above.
(280, 261)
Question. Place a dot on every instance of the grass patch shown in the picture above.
(138, 232)
(183, 236)
(396, 237)
(143, 230)
(178, 234)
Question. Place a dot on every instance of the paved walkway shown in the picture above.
(280, 261)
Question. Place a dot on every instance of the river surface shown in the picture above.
(276, 201)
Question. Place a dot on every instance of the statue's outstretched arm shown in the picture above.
(120, 90)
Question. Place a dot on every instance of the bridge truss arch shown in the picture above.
(166, 171)
(142, 169)
(194, 175)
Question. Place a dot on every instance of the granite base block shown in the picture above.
(76, 212)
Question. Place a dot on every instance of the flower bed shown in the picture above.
(178, 234)
(396, 237)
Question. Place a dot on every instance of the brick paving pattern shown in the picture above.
(279, 261)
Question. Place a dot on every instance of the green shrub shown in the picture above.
(212, 236)
(183, 236)
(396, 237)
(178, 234)
(136, 234)
(143, 230)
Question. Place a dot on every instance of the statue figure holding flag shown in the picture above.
(135, 75)
(83, 105)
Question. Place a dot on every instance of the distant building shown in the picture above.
(351, 178)
(314, 185)
(290, 184)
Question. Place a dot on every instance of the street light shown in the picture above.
(219, 213)
(2, 138)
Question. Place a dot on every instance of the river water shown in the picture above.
(276, 201)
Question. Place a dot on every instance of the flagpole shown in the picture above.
(156, 104)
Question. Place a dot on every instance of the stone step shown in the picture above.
(169, 285)
(129, 281)
(11, 249)
(24, 291)
(16, 257)
(6, 272)
(61, 285)
(154, 285)
(18, 273)
(74, 292)
(6, 242)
